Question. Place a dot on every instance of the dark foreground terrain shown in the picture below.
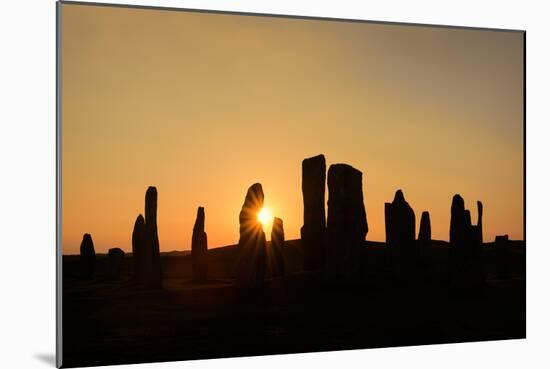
(113, 322)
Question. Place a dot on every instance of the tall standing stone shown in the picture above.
(275, 258)
(151, 238)
(457, 232)
(87, 257)
(314, 229)
(138, 250)
(251, 251)
(479, 228)
(425, 238)
(346, 222)
(402, 227)
(199, 248)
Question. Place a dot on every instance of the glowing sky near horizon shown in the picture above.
(204, 105)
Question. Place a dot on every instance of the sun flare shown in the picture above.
(264, 216)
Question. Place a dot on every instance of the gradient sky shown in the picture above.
(203, 105)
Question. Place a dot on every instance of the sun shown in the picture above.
(264, 216)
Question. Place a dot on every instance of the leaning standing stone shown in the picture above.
(250, 265)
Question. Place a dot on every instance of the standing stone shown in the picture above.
(251, 251)
(115, 258)
(152, 248)
(425, 231)
(275, 258)
(465, 247)
(87, 257)
(479, 228)
(138, 250)
(145, 244)
(346, 222)
(402, 228)
(425, 241)
(199, 248)
(314, 228)
(457, 231)
(464, 237)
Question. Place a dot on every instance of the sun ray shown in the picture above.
(265, 217)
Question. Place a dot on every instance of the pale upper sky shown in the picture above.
(203, 105)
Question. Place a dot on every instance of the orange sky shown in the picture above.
(203, 105)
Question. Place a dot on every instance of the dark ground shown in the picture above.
(107, 322)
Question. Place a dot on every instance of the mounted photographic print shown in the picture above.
(236, 184)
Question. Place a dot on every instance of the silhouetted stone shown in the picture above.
(87, 257)
(479, 228)
(275, 259)
(465, 247)
(465, 238)
(402, 228)
(346, 222)
(424, 242)
(251, 251)
(150, 272)
(457, 231)
(425, 231)
(314, 229)
(502, 246)
(138, 250)
(199, 248)
(115, 257)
